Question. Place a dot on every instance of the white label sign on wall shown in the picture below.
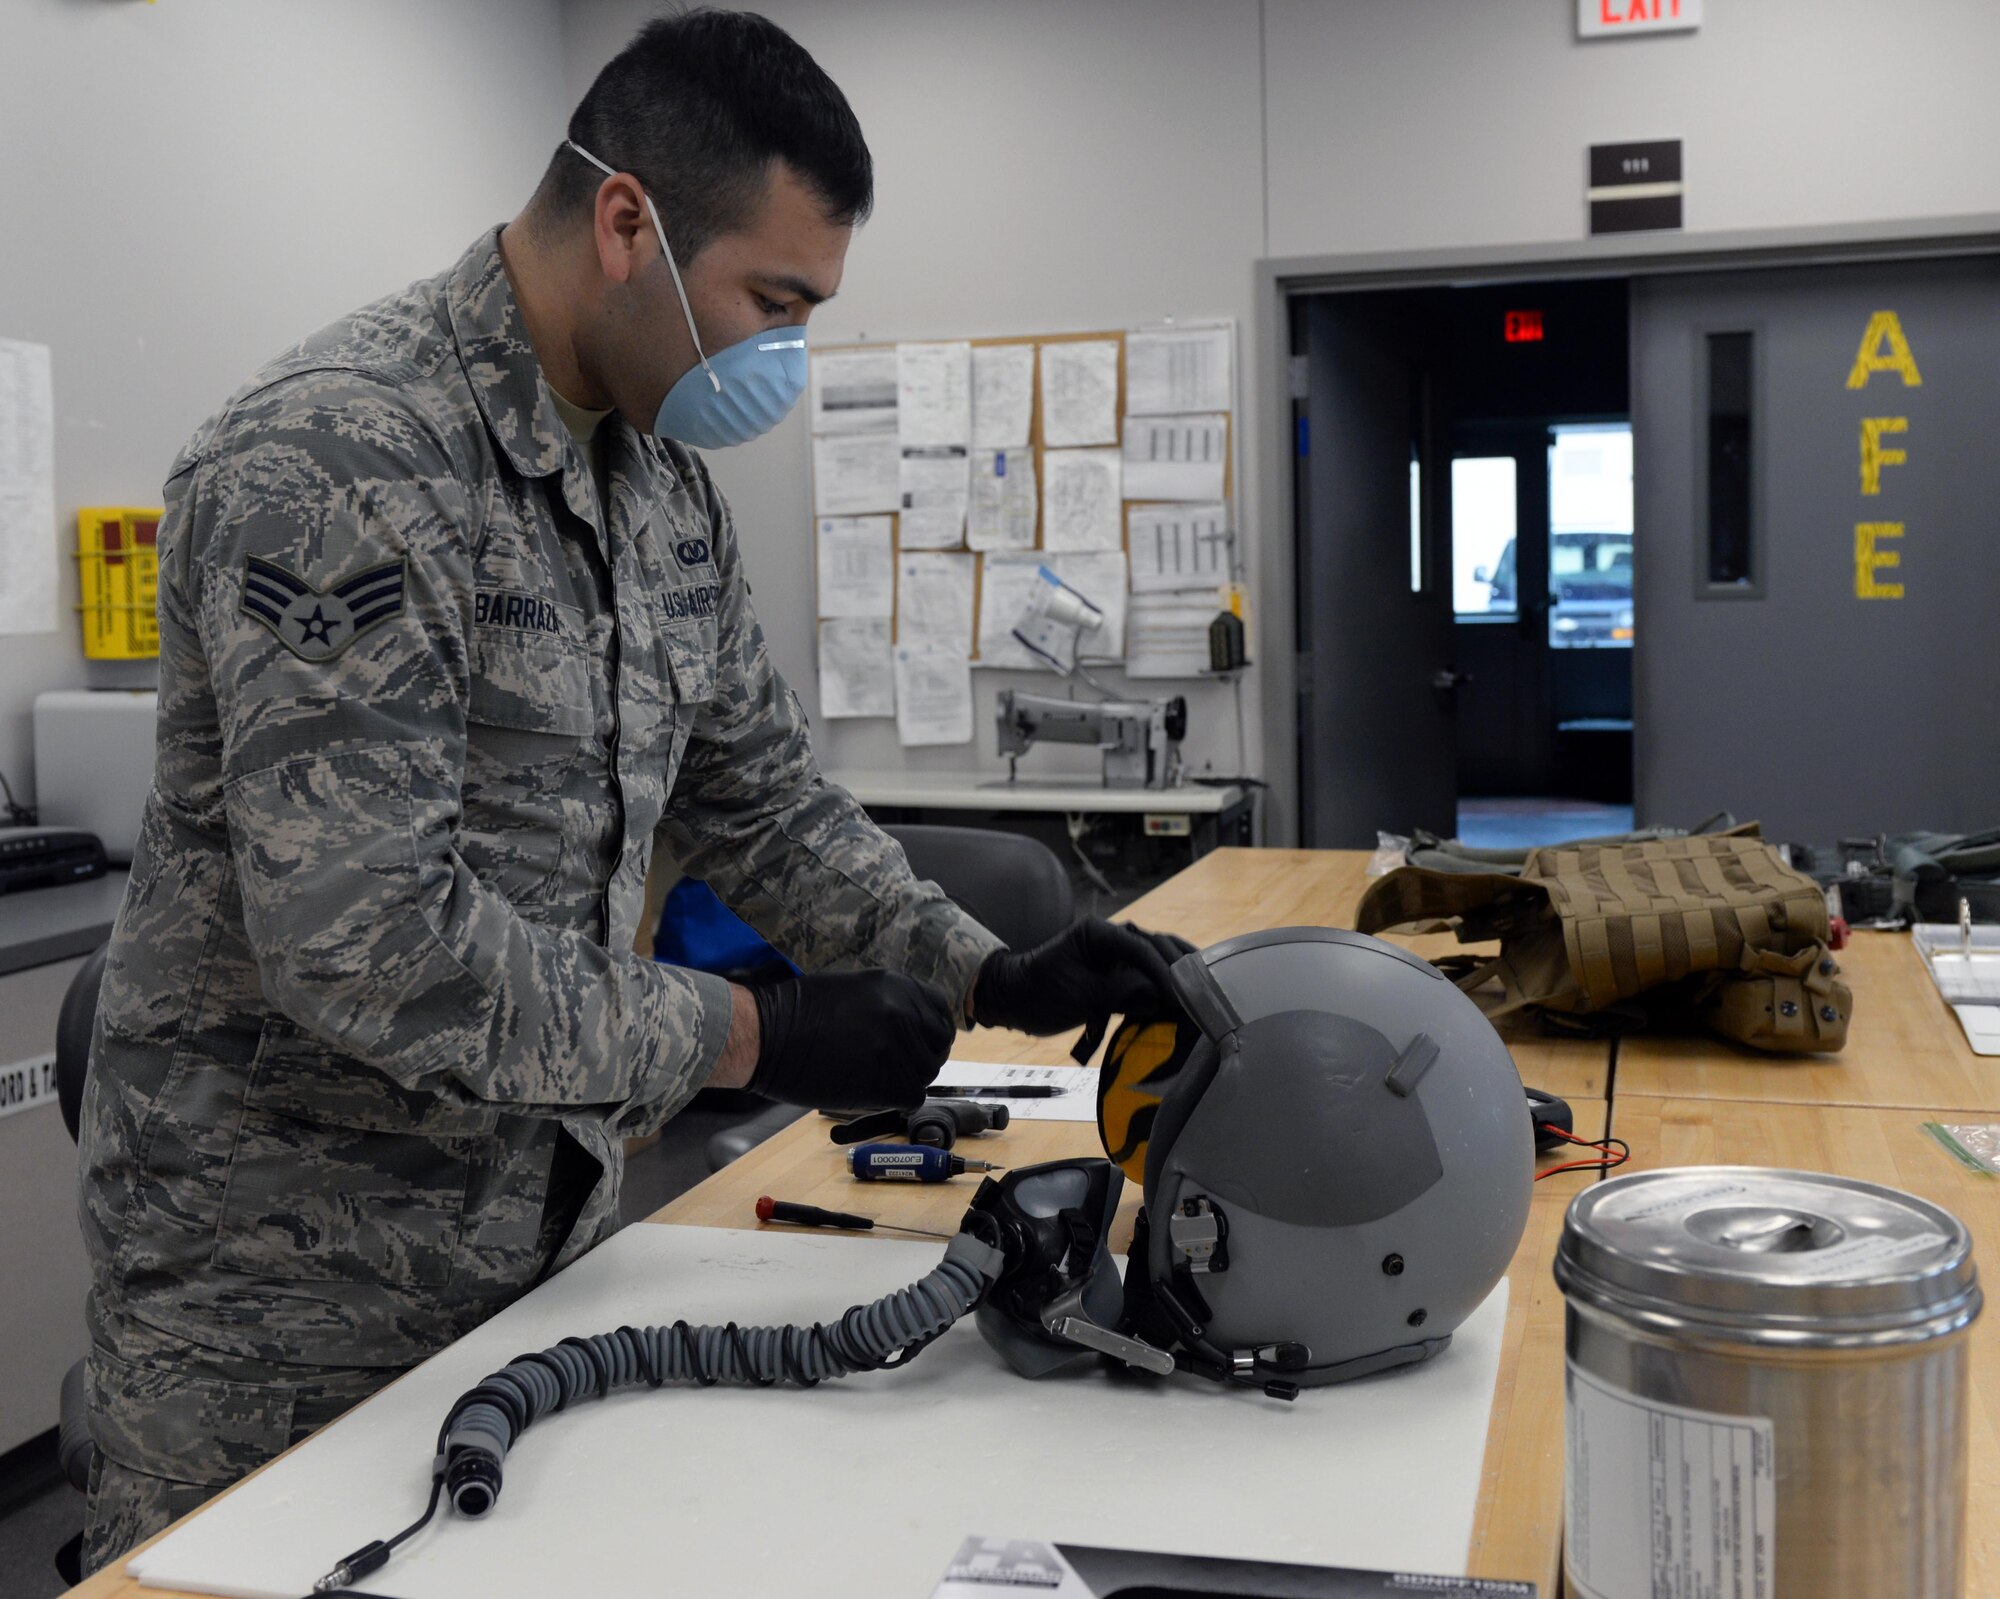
(1612, 19)
(24, 1084)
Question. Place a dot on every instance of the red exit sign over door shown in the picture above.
(1607, 19)
(1523, 327)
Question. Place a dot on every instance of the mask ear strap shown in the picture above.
(660, 233)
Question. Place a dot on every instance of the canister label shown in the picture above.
(1664, 1502)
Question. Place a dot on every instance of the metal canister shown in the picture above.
(1766, 1388)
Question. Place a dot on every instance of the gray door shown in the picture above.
(1375, 703)
(1842, 680)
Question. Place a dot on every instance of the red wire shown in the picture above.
(1612, 1157)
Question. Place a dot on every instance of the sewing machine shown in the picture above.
(1140, 739)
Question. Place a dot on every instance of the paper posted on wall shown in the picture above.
(1006, 584)
(1079, 393)
(1004, 505)
(934, 599)
(1003, 395)
(857, 573)
(1169, 370)
(27, 489)
(1176, 457)
(1056, 621)
(855, 673)
(1166, 635)
(1098, 575)
(937, 488)
(934, 393)
(855, 473)
(854, 391)
(1081, 509)
(1178, 546)
(933, 695)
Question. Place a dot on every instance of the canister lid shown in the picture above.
(1768, 1256)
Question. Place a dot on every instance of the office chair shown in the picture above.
(1015, 886)
(74, 1449)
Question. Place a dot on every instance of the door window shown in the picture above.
(1590, 537)
(1483, 585)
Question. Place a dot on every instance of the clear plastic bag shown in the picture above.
(1976, 1144)
(1391, 851)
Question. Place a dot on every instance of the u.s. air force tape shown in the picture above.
(317, 624)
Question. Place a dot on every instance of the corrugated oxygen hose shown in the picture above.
(487, 1421)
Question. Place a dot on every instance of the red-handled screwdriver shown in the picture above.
(769, 1209)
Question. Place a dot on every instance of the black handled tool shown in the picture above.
(769, 1209)
(938, 1123)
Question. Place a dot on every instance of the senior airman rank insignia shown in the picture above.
(317, 624)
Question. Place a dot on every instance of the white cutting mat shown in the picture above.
(861, 1487)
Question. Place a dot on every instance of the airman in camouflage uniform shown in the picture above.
(432, 677)
(370, 1034)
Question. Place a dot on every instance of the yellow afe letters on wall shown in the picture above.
(1873, 456)
(1883, 349)
(1884, 327)
(1870, 559)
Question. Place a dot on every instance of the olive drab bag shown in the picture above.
(1639, 933)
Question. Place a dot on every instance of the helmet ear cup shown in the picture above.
(1141, 1062)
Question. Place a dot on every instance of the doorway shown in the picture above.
(1465, 536)
(1811, 557)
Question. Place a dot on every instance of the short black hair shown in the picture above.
(697, 107)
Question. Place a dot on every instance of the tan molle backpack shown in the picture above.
(1605, 937)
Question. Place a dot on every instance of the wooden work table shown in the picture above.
(1517, 1529)
(1678, 1101)
(1878, 1146)
(1904, 1048)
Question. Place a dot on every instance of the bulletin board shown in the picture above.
(1159, 564)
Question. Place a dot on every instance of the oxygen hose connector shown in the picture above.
(472, 1471)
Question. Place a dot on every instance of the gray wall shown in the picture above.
(1041, 167)
(189, 188)
(1048, 166)
(1422, 123)
(1396, 127)
(268, 164)
(1821, 714)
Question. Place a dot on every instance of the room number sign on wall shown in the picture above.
(1635, 187)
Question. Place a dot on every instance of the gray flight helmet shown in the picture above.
(1340, 1173)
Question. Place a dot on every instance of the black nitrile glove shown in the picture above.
(1083, 976)
(850, 1040)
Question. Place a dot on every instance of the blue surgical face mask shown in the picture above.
(745, 391)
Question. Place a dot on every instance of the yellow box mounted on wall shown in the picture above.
(118, 572)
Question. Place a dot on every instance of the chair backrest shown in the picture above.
(1015, 886)
(73, 1026)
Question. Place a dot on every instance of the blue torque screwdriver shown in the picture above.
(909, 1163)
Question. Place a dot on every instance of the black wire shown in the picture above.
(423, 1521)
(655, 1378)
(19, 814)
(598, 1363)
(743, 1361)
